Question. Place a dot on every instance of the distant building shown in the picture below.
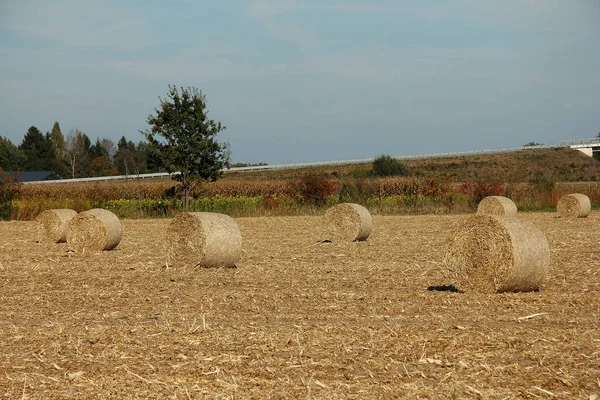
(32, 176)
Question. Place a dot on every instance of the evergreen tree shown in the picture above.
(11, 158)
(58, 141)
(38, 151)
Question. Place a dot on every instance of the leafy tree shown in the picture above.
(532, 144)
(183, 138)
(38, 150)
(385, 165)
(11, 158)
(102, 166)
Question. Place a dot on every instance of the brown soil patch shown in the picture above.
(296, 319)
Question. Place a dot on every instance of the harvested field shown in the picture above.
(296, 319)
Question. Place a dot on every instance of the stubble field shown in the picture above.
(295, 319)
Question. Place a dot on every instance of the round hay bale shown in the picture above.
(497, 205)
(489, 254)
(574, 205)
(202, 239)
(95, 229)
(348, 222)
(52, 225)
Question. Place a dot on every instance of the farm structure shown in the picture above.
(296, 318)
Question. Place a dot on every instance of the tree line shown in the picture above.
(74, 155)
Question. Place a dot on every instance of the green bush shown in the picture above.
(385, 165)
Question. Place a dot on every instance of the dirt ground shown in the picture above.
(295, 319)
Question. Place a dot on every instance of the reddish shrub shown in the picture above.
(315, 189)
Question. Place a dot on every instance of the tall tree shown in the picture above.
(183, 138)
(11, 158)
(129, 158)
(101, 154)
(104, 147)
(38, 150)
(76, 153)
(58, 141)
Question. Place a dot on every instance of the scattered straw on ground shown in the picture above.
(297, 319)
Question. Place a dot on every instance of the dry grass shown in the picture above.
(296, 319)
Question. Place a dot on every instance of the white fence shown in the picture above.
(563, 143)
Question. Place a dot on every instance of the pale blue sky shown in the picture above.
(309, 80)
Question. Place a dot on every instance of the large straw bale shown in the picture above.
(95, 229)
(202, 239)
(348, 222)
(574, 205)
(52, 225)
(497, 205)
(489, 253)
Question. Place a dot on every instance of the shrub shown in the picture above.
(385, 165)
(541, 183)
(9, 190)
(315, 189)
(480, 190)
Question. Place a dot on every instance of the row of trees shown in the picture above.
(74, 155)
(181, 138)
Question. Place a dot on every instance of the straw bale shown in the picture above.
(95, 229)
(497, 205)
(574, 205)
(52, 225)
(202, 239)
(348, 222)
(489, 253)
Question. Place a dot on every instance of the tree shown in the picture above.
(11, 158)
(129, 158)
(38, 150)
(58, 141)
(76, 154)
(385, 165)
(101, 154)
(183, 138)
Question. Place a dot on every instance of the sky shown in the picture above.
(309, 80)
